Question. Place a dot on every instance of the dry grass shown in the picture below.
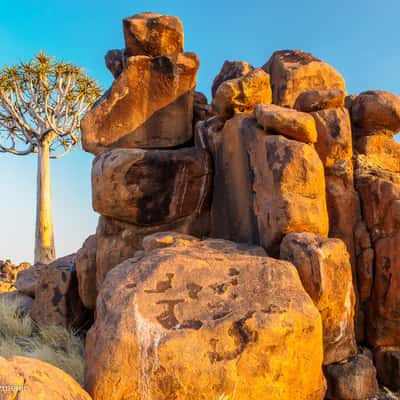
(19, 336)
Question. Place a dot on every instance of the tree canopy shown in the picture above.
(40, 97)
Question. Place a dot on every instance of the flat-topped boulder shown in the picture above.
(241, 320)
(242, 94)
(150, 105)
(151, 187)
(290, 123)
(152, 34)
(294, 71)
(375, 112)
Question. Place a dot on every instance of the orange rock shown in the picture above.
(242, 94)
(152, 34)
(203, 319)
(343, 206)
(381, 151)
(121, 119)
(290, 123)
(117, 241)
(334, 135)
(151, 187)
(316, 100)
(86, 272)
(26, 379)
(57, 301)
(293, 72)
(325, 271)
(230, 70)
(375, 112)
(289, 187)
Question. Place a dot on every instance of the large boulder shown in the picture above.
(290, 123)
(375, 112)
(242, 94)
(151, 187)
(86, 272)
(116, 241)
(230, 70)
(122, 119)
(240, 320)
(293, 72)
(26, 379)
(57, 300)
(151, 34)
(325, 271)
(264, 184)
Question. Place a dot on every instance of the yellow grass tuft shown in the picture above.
(20, 336)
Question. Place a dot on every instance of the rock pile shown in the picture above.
(280, 207)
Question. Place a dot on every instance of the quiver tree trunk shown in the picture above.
(44, 239)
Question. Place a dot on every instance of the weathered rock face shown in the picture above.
(316, 100)
(387, 361)
(335, 148)
(290, 123)
(230, 70)
(354, 379)
(242, 322)
(242, 94)
(27, 379)
(293, 72)
(122, 119)
(264, 185)
(117, 241)
(379, 191)
(22, 302)
(334, 135)
(290, 189)
(325, 271)
(375, 112)
(86, 272)
(28, 279)
(152, 34)
(151, 187)
(57, 300)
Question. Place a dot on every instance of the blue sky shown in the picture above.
(360, 38)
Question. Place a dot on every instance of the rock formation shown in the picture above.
(282, 163)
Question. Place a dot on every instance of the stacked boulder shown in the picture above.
(147, 176)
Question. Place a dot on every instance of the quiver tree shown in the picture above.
(41, 104)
